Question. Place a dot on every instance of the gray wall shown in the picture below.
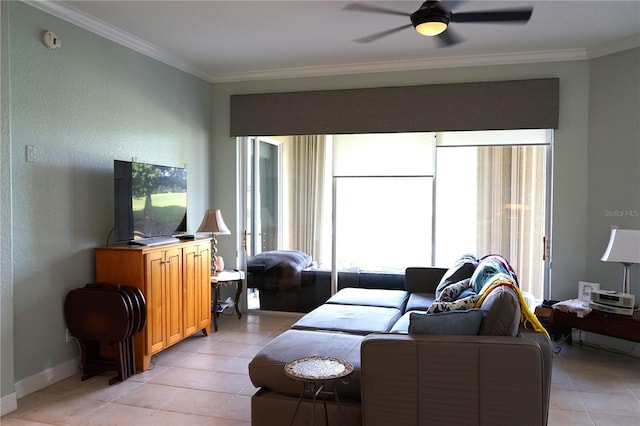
(614, 162)
(6, 270)
(80, 106)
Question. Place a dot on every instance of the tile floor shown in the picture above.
(203, 381)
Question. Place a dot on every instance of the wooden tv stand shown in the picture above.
(614, 325)
(174, 279)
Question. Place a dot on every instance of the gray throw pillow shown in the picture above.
(501, 313)
(466, 322)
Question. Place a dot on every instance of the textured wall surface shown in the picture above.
(614, 162)
(80, 107)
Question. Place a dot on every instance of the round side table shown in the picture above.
(316, 372)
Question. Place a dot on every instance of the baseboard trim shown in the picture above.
(47, 377)
(8, 403)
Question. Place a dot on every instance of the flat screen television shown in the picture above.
(150, 200)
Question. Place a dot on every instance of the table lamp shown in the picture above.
(624, 247)
(214, 223)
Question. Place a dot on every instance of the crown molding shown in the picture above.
(619, 46)
(108, 31)
(408, 65)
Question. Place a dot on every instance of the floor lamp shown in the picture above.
(214, 223)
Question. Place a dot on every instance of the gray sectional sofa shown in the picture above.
(407, 378)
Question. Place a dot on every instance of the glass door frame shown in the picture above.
(247, 149)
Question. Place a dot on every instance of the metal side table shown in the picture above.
(316, 372)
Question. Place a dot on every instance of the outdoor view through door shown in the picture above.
(330, 211)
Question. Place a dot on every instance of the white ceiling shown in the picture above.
(242, 40)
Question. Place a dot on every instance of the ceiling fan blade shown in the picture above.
(449, 38)
(452, 5)
(361, 7)
(509, 15)
(381, 34)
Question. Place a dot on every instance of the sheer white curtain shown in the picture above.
(307, 179)
(511, 197)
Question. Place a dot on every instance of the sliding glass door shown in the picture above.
(492, 197)
(263, 195)
(379, 203)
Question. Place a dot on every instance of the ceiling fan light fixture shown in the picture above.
(431, 19)
(431, 28)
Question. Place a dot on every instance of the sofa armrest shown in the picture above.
(462, 380)
(423, 279)
(547, 352)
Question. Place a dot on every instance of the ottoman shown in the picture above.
(266, 370)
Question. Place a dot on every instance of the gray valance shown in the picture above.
(518, 104)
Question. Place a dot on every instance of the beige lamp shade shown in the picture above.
(214, 223)
(624, 246)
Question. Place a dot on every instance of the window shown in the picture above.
(385, 202)
(491, 197)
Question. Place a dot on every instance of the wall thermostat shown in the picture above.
(50, 40)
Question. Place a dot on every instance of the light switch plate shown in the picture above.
(30, 154)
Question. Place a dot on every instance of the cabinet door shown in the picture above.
(155, 338)
(203, 274)
(173, 291)
(190, 289)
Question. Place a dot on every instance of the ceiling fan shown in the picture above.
(433, 19)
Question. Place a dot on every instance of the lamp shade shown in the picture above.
(214, 223)
(624, 246)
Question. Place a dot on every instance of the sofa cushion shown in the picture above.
(423, 279)
(461, 270)
(452, 322)
(349, 318)
(501, 312)
(267, 367)
(370, 297)
(402, 325)
(380, 279)
(419, 301)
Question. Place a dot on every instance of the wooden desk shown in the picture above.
(223, 279)
(614, 325)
